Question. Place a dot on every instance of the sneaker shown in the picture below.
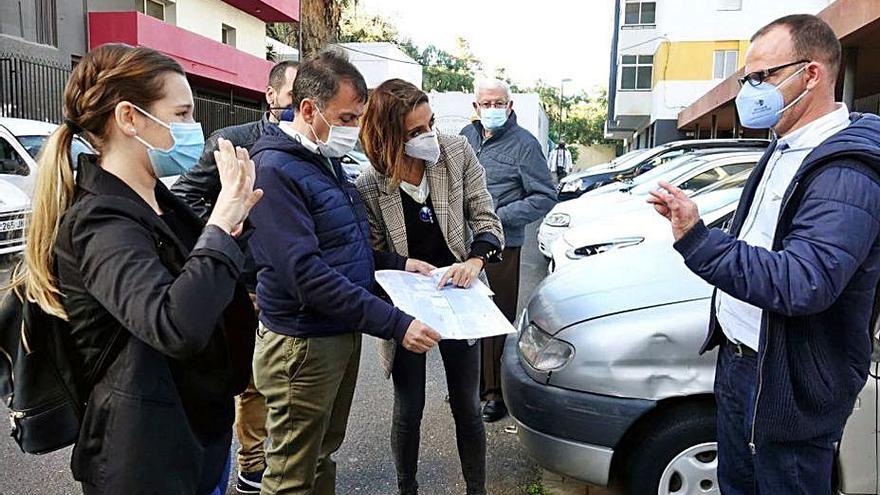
(249, 482)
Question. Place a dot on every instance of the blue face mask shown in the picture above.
(287, 115)
(493, 118)
(189, 143)
(284, 114)
(762, 106)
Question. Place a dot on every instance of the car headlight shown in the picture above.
(573, 186)
(558, 219)
(594, 249)
(542, 351)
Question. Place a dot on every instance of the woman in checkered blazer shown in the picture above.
(426, 199)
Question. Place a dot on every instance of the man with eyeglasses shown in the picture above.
(797, 275)
(520, 183)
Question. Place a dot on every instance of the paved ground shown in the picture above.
(365, 463)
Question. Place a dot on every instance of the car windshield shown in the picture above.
(34, 144)
(644, 183)
(630, 159)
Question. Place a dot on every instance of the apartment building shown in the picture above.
(666, 54)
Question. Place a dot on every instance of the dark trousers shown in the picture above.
(504, 282)
(462, 364)
(777, 468)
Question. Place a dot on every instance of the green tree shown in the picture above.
(359, 26)
(582, 115)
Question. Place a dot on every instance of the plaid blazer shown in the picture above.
(462, 204)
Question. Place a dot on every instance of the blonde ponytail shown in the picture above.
(105, 77)
(35, 278)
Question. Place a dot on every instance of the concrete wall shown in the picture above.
(18, 31)
(589, 156)
(670, 97)
(206, 17)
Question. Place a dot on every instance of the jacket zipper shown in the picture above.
(766, 330)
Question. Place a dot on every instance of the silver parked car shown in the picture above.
(606, 385)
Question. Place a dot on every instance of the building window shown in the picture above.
(47, 25)
(640, 13)
(153, 8)
(636, 72)
(725, 63)
(729, 4)
(227, 35)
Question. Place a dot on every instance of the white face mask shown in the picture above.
(424, 147)
(340, 141)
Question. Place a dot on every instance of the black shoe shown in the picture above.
(249, 482)
(494, 410)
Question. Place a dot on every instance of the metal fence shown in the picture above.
(215, 113)
(34, 89)
(31, 89)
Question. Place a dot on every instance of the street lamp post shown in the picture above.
(561, 110)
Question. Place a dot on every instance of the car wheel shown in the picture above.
(677, 456)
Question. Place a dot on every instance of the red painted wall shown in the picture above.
(200, 56)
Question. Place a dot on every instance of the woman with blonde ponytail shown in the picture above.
(156, 316)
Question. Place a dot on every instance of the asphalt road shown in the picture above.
(365, 465)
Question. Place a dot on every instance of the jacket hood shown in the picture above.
(861, 141)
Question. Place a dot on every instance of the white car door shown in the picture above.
(16, 165)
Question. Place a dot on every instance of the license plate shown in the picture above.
(10, 225)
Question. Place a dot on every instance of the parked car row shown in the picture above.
(690, 172)
(635, 163)
(604, 380)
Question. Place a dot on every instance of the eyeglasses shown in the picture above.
(493, 104)
(758, 77)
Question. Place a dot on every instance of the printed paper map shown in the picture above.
(454, 312)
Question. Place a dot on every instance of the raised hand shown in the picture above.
(677, 207)
(237, 195)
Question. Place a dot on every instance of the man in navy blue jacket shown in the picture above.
(797, 274)
(315, 272)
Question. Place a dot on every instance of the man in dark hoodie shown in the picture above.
(315, 272)
(797, 274)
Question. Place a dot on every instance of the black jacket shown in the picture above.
(160, 417)
(199, 187)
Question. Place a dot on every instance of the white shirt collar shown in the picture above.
(287, 128)
(418, 193)
(814, 133)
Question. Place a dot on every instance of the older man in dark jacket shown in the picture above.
(520, 183)
(315, 273)
(199, 188)
(797, 275)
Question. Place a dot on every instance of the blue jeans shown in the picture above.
(776, 468)
(224, 478)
